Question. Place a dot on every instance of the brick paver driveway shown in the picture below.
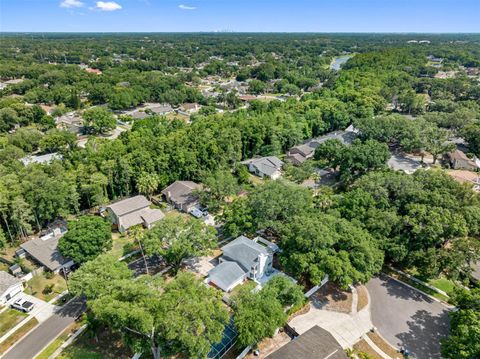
(407, 318)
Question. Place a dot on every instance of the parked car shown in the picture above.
(23, 305)
(197, 212)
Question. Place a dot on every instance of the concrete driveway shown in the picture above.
(346, 328)
(406, 318)
(42, 310)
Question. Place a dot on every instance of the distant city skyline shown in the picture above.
(403, 16)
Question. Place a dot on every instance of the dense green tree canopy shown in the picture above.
(178, 238)
(463, 341)
(86, 238)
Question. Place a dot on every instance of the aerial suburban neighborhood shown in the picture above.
(234, 180)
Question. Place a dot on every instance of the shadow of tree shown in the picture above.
(424, 335)
(401, 291)
(73, 309)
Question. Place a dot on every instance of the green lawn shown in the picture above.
(79, 353)
(18, 334)
(443, 284)
(36, 286)
(121, 245)
(10, 318)
(108, 346)
(248, 285)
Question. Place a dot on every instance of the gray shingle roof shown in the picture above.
(226, 274)
(315, 343)
(244, 251)
(161, 109)
(181, 192)
(129, 205)
(45, 251)
(266, 165)
(6, 281)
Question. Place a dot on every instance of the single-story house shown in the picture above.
(161, 109)
(459, 161)
(138, 115)
(300, 153)
(71, 122)
(42, 159)
(464, 176)
(44, 250)
(181, 195)
(133, 211)
(315, 343)
(9, 287)
(270, 166)
(241, 259)
(189, 108)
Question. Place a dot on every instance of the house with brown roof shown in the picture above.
(315, 343)
(133, 211)
(464, 176)
(300, 153)
(458, 160)
(189, 108)
(181, 194)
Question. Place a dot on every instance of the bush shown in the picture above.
(48, 274)
(48, 289)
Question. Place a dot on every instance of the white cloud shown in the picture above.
(108, 6)
(186, 7)
(71, 3)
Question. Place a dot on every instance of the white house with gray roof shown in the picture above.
(44, 250)
(133, 211)
(9, 287)
(242, 258)
(270, 166)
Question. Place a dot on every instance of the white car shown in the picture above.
(197, 213)
(23, 305)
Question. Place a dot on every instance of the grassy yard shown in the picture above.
(441, 282)
(10, 318)
(16, 336)
(53, 346)
(36, 286)
(122, 244)
(248, 285)
(108, 346)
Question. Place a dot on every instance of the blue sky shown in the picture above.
(240, 15)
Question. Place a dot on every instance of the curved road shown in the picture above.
(407, 318)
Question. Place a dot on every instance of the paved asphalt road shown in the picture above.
(34, 342)
(406, 318)
(154, 263)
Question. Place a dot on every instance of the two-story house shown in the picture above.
(242, 258)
